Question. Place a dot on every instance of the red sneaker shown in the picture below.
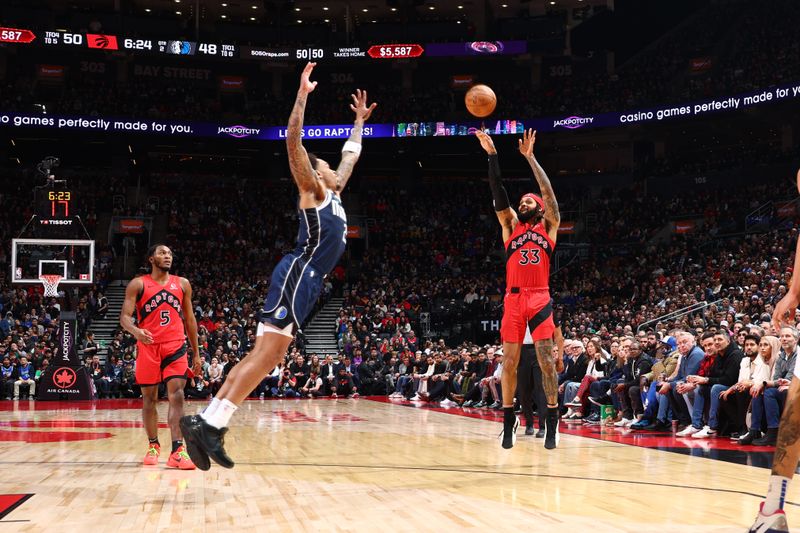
(180, 459)
(151, 457)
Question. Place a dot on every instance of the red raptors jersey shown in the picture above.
(159, 309)
(528, 257)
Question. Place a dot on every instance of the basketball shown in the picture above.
(480, 101)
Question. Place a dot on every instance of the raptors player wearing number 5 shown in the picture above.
(529, 237)
(297, 279)
(163, 304)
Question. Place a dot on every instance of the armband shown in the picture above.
(351, 146)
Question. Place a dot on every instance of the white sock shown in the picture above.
(211, 408)
(776, 494)
(222, 415)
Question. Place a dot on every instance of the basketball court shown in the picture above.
(367, 465)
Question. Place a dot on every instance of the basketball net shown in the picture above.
(50, 282)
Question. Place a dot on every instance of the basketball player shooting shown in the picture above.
(163, 304)
(771, 518)
(297, 279)
(529, 237)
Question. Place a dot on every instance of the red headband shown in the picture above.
(536, 198)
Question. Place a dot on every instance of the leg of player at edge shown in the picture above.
(205, 432)
(771, 518)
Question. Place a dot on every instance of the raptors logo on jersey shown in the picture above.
(528, 253)
(159, 309)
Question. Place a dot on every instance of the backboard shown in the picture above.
(72, 259)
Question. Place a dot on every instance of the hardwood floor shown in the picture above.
(356, 465)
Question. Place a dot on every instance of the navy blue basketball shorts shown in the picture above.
(294, 288)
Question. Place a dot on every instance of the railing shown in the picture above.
(699, 306)
(758, 217)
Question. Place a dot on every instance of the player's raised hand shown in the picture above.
(486, 142)
(306, 85)
(785, 311)
(359, 105)
(527, 142)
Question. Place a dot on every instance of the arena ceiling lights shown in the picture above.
(238, 11)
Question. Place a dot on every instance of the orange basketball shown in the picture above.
(480, 100)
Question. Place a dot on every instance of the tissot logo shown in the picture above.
(573, 122)
(54, 222)
(238, 131)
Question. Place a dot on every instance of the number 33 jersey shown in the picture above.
(159, 309)
(528, 253)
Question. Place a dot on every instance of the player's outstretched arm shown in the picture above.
(191, 326)
(304, 176)
(352, 148)
(552, 216)
(128, 307)
(502, 207)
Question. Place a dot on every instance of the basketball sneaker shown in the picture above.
(509, 434)
(203, 441)
(151, 457)
(774, 523)
(180, 459)
(551, 436)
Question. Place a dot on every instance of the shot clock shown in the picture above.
(55, 203)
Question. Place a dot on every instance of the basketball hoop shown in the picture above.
(50, 282)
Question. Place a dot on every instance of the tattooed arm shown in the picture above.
(552, 216)
(352, 148)
(304, 175)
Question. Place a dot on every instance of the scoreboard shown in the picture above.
(62, 39)
(181, 47)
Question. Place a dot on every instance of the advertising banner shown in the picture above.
(402, 129)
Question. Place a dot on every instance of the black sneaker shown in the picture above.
(770, 438)
(658, 425)
(593, 418)
(509, 433)
(749, 437)
(551, 429)
(203, 441)
(540, 434)
(529, 430)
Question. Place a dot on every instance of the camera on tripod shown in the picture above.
(46, 166)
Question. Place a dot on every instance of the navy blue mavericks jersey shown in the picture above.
(323, 234)
(296, 281)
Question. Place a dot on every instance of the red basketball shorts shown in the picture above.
(527, 308)
(162, 361)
